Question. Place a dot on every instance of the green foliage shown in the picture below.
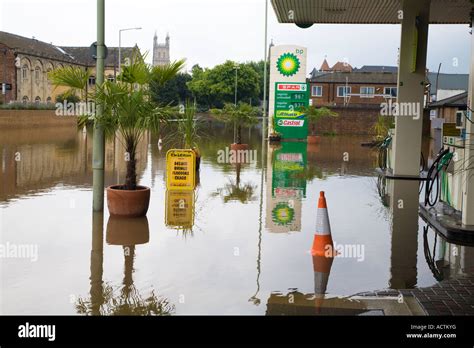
(27, 106)
(173, 92)
(68, 97)
(126, 105)
(314, 114)
(215, 87)
(74, 77)
(382, 126)
(241, 115)
(187, 126)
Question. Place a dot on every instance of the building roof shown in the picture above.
(324, 66)
(83, 55)
(377, 68)
(355, 77)
(76, 55)
(458, 100)
(448, 82)
(366, 11)
(20, 44)
(342, 66)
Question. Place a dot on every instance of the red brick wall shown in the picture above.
(10, 73)
(329, 95)
(350, 121)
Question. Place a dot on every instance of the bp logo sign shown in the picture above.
(288, 64)
(283, 214)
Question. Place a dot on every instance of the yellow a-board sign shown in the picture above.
(180, 169)
(179, 209)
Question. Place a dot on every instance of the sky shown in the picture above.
(209, 32)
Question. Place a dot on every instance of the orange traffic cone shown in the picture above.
(322, 243)
(322, 251)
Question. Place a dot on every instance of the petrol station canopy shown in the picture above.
(366, 11)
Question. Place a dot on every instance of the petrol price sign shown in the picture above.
(290, 121)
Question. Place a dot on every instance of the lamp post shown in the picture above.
(236, 67)
(4, 82)
(120, 47)
(264, 131)
(98, 137)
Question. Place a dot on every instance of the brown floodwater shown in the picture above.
(237, 244)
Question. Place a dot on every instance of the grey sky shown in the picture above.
(209, 32)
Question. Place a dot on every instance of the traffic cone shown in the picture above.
(321, 267)
(322, 251)
(322, 243)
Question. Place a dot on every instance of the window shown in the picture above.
(37, 74)
(391, 91)
(317, 91)
(48, 100)
(91, 80)
(37, 100)
(367, 92)
(343, 91)
(110, 78)
(24, 99)
(24, 72)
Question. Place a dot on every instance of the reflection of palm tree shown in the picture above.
(235, 192)
(104, 299)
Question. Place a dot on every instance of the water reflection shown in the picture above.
(106, 299)
(179, 213)
(404, 203)
(287, 176)
(36, 160)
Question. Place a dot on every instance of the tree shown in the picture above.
(215, 87)
(173, 92)
(126, 105)
(314, 114)
(241, 115)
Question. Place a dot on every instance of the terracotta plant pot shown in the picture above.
(127, 231)
(237, 147)
(314, 139)
(129, 203)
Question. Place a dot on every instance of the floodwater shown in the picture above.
(238, 244)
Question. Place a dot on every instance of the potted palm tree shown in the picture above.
(188, 130)
(127, 109)
(240, 115)
(313, 115)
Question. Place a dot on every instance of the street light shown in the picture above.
(236, 67)
(120, 45)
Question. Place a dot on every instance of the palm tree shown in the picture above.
(241, 115)
(314, 114)
(127, 107)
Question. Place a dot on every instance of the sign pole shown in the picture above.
(98, 149)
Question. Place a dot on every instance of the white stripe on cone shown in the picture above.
(322, 222)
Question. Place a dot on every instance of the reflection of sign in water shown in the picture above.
(288, 188)
(180, 169)
(179, 208)
(283, 213)
(289, 98)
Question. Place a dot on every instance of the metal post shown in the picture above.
(98, 149)
(265, 58)
(468, 177)
(4, 84)
(120, 53)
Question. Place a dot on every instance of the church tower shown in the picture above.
(161, 51)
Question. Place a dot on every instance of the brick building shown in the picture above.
(368, 85)
(25, 64)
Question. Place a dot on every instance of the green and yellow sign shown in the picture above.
(180, 169)
(290, 122)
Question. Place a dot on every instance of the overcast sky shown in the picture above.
(209, 32)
